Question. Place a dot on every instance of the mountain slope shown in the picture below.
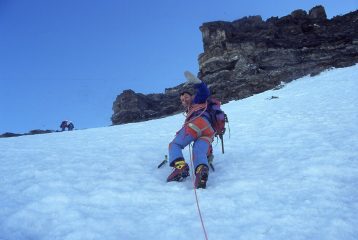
(290, 171)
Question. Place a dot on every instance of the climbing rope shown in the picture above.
(196, 195)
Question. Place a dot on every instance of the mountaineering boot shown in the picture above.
(181, 171)
(201, 176)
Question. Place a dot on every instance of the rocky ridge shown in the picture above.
(32, 132)
(250, 55)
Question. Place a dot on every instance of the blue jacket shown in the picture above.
(202, 93)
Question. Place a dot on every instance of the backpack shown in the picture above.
(218, 118)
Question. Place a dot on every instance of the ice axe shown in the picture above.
(163, 162)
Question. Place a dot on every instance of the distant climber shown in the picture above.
(70, 126)
(63, 125)
(67, 124)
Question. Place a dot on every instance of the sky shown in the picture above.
(68, 60)
(289, 171)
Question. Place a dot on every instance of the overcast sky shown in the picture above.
(69, 59)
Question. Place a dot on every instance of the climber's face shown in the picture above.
(186, 99)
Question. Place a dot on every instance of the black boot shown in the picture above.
(201, 176)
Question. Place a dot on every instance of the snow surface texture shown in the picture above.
(290, 171)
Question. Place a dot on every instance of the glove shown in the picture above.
(191, 79)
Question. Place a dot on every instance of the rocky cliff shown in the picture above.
(249, 56)
(32, 132)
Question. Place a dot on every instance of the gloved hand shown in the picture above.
(191, 79)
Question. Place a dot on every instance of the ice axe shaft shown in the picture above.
(163, 162)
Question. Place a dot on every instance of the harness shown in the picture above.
(193, 122)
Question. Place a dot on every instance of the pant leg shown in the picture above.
(200, 151)
(181, 140)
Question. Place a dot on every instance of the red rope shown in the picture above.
(196, 195)
(194, 108)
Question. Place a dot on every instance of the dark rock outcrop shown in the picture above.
(10, 134)
(32, 132)
(38, 131)
(249, 56)
(131, 106)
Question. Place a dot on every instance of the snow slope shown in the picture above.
(290, 171)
